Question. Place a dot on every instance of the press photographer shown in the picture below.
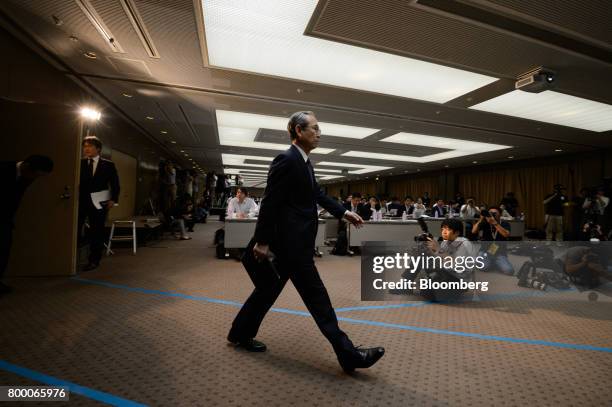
(584, 267)
(454, 246)
(596, 203)
(553, 218)
(494, 237)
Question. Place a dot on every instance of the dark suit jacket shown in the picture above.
(438, 211)
(398, 207)
(105, 177)
(12, 191)
(288, 218)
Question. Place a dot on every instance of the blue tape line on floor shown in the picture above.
(478, 336)
(369, 307)
(366, 322)
(72, 387)
(183, 296)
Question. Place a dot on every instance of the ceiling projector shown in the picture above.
(536, 81)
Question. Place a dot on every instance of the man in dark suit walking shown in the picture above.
(15, 177)
(97, 175)
(287, 226)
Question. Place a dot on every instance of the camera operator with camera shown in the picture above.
(454, 246)
(596, 203)
(494, 237)
(553, 218)
(584, 267)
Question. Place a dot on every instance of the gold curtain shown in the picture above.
(401, 187)
(530, 186)
(366, 188)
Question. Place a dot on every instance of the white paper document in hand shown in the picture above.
(101, 196)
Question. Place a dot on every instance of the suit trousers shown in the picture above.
(308, 283)
(6, 241)
(96, 220)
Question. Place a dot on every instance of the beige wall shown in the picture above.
(127, 169)
(39, 114)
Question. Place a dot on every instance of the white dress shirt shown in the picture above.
(248, 207)
(95, 163)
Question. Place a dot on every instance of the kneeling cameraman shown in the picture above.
(584, 267)
(455, 246)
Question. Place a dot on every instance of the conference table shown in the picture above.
(238, 233)
(389, 230)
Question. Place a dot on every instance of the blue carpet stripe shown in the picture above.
(183, 296)
(363, 321)
(369, 307)
(73, 388)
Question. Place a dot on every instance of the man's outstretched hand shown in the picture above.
(261, 251)
(353, 218)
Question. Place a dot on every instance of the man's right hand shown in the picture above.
(261, 251)
(353, 218)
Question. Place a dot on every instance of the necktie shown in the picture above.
(310, 172)
(90, 167)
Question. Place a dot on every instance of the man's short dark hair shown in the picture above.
(39, 163)
(94, 141)
(356, 194)
(452, 224)
(298, 119)
(244, 191)
(409, 197)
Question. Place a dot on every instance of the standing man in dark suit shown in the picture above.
(97, 175)
(287, 226)
(15, 177)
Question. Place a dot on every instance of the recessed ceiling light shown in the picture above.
(127, 95)
(552, 107)
(510, 156)
(557, 150)
(173, 141)
(459, 148)
(257, 37)
(474, 162)
(362, 168)
(182, 151)
(163, 132)
(149, 118)
(241, 128)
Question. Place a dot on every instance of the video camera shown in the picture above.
(425, 235)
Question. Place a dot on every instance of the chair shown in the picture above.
(113, 238)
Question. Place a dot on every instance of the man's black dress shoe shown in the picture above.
(90, 266)
(362, 359)
(5, 289)
(252, 345)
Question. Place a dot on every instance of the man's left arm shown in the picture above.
(329, 204)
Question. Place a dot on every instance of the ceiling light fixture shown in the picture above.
(552, 107)
(457, 147)
(90, 114)
(257, 36)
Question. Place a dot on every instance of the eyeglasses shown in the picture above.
(314, 128)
